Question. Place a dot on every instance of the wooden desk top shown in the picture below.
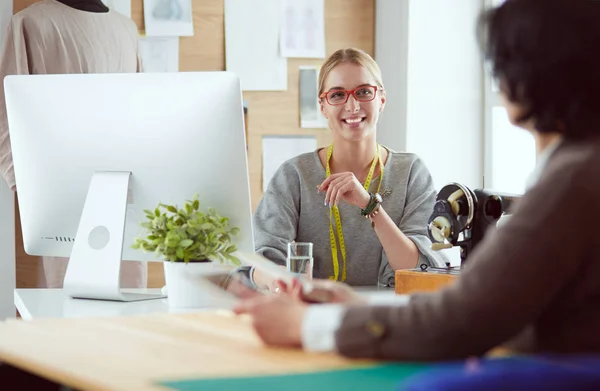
(133, 353)
(415, 280)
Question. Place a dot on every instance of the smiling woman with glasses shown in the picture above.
(363, 206)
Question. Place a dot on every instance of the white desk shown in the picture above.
(52, 303)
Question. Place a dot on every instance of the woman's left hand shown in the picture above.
(277, 319)
(345, 187)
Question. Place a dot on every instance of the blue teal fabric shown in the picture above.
(380, 377)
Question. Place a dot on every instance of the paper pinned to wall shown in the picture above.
(159, 54)
(302, 32)
(168, 18)
(277, 149)
(310, 110)
(6, 12)
(252, 44)
(121, 6)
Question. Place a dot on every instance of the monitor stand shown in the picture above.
(94, 269)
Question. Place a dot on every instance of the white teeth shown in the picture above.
(353, 121)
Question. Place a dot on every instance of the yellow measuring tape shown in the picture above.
(338, 221)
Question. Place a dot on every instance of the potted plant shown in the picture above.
(192, 243)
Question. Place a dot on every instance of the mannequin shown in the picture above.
(67, 37)
(86, 5)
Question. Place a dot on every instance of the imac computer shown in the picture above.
(92, 151)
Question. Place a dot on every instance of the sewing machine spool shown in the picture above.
(460, 211)
(452, 214)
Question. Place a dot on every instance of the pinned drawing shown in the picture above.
(167, 10)
(168, 18)
(302, 31)
(159, 54)
(252, 38)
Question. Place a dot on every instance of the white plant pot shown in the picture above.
(184, 292)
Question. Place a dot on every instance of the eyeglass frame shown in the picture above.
(350, 92)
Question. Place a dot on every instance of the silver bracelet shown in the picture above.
(251, 276)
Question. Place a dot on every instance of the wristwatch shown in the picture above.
(372, 206)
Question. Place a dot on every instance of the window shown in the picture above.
(509, 151)
(512, 153)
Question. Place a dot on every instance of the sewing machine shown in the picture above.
(460, 217)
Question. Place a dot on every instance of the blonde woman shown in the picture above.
(380, 199)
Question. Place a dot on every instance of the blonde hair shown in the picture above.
(352, 56)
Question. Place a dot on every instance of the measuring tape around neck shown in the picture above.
(335, 212)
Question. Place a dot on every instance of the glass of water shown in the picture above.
(300, 259)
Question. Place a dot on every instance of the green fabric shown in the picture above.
(380, 377)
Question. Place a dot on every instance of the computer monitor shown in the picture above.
(92, 151)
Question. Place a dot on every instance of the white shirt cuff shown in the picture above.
(387, 298)
(319, 325)
(321, 321)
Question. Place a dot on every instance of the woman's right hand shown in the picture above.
(321, 291)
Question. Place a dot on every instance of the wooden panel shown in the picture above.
(409, 281)
(348, 23)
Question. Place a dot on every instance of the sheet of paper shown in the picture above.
(6, 11)
(168, 18)
(159, 54)
(277, 149)
(252, 44)
(121, 6)
(310, 110)
(302, 31)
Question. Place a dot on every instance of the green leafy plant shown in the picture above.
(187, 234)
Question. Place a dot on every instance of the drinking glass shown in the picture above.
(300, 259)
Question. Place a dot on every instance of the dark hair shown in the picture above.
(546, 56)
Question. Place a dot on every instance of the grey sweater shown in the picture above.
(292, 210)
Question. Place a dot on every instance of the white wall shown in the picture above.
(391, 53)
(439, 109)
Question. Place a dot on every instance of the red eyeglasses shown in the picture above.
(340, 97)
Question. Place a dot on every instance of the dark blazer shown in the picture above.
(534, 282)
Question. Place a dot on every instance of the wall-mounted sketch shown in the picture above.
(252, 44)
(159, 54)
(302, 31)
(167, 10)
(168, 18)
(121, 6)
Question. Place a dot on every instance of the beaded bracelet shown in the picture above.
(373, 202)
